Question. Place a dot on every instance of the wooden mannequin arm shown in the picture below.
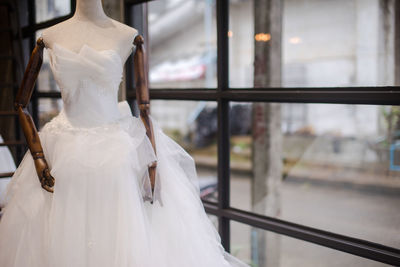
(143, 98)
(28, 127)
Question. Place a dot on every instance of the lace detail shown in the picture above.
(127, 123)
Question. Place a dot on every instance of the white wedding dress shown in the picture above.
(98, 215)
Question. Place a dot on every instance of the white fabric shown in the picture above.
(6, 165)
(99, 153)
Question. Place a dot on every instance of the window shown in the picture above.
(305, 154)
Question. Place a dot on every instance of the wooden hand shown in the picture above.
(143, 99)
(43, 172)
(28, 127)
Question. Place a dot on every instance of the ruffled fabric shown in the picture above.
(104, 72)
(101, 183)
(97, 215)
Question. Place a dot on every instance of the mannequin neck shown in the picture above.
(89, 10)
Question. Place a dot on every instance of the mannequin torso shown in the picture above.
(92, 27)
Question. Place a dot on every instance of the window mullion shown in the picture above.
(223, 120)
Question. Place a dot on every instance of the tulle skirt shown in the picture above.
(98, 215)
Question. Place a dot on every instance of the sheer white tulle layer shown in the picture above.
(97, 216)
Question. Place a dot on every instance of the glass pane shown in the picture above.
(50, 9)
(266, 249)
(322, 43)
(23, 13)
(182, 44)
(332, 167)
(48, 109)
(45, 81)
(26, 52)
(193, 125)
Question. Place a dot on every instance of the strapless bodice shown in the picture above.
(89, 82)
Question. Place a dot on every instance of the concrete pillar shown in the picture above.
(374, 44)
(267, 136)
(396, 43)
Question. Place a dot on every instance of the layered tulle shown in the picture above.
(97, 215)
(100, 214)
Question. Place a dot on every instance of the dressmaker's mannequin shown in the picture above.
(91, 26)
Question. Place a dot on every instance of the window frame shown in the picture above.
(223, 95)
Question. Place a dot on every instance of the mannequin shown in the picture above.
(100, 33)
(95, 30)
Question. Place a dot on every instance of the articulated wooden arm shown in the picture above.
(28, 127)
(143, 98)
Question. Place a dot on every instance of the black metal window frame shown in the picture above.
(223, 95)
